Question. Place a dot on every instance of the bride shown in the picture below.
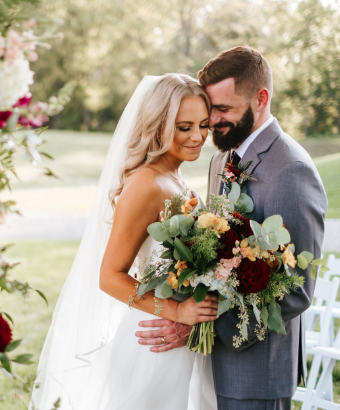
(91, 359)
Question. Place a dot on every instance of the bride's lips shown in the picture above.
(194, 147)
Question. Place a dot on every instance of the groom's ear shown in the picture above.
(262, 100)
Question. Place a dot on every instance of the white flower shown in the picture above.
(15, 79)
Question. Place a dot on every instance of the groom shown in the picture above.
(259, 375)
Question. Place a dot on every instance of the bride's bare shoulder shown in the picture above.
(143, 184)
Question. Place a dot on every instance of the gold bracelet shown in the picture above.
(158, 306)
(131, 299)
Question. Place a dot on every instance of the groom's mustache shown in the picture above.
(223, 124)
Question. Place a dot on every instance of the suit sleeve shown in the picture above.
(209, 175)
(297, 194)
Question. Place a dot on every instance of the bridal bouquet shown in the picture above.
(218, 249)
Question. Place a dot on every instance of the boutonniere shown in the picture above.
(236, 173)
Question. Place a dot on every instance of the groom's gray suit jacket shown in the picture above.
(288, 184)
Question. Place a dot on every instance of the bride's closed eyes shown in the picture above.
(189, 128)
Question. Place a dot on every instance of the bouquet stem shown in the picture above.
(201, 338)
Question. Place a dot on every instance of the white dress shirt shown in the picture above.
(245, 144)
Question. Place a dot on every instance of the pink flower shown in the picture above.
(24, 101)
(33, 56)
(236, 250)
(29, 40)
(4, 115)
(225, 267)
(229, 174)
(30, 23)
(2, 45)
(14, 46)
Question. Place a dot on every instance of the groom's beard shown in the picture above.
(237, 133)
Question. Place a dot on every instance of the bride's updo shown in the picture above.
(155, 127)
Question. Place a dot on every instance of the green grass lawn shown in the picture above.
(79, 158)
(45, 264)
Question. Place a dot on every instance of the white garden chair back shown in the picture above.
(329, 356)
(325, 291)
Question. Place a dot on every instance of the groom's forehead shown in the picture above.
(222, 91)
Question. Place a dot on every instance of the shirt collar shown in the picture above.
(245, 144)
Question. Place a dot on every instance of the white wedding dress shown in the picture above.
(91, 358)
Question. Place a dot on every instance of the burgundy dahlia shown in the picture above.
(228, 242)
(4, 115)
(243, 229)
(234, 169)
(5, 334)
(253, 276)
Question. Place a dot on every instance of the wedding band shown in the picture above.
(163, 340)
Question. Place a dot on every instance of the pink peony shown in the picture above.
(14, 46)
(30, 23)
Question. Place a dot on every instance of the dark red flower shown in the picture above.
(4, 115)
(234, 169)
(243, 229)
(253, 276)
(5, 334)
(228, 242)
(24, 101)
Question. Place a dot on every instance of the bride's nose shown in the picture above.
(196, 135)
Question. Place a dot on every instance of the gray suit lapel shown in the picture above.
(261, 144)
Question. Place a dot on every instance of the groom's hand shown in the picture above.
(172, 333)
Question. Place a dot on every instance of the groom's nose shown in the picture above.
(215, 117)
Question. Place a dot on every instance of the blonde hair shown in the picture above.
(155, 126)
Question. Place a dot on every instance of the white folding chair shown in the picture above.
(325, 291)
(329, 355)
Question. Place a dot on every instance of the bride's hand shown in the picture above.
(189, 312)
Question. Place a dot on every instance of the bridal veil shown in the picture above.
(73, 362)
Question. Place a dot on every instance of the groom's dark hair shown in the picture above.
(247, 66)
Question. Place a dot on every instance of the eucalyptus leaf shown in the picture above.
(264, 235)
(256, 227)
(154, 282)
(158, 231)
(307, 255)
(158, 292)
(186, 224)
(251, 239)
(240, 297)
(302, 263)
(282, 236)
(247, 201)
(243, 189)
(244, 330)
(174, 226)
(166, 291)
(292, 248)
(141, 289)
(235, 192)
(319, 262)
(270, 224)
(324, 269)
(313, 272)
(223, 306)
(256, 312)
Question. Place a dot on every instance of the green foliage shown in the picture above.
(205, 246)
